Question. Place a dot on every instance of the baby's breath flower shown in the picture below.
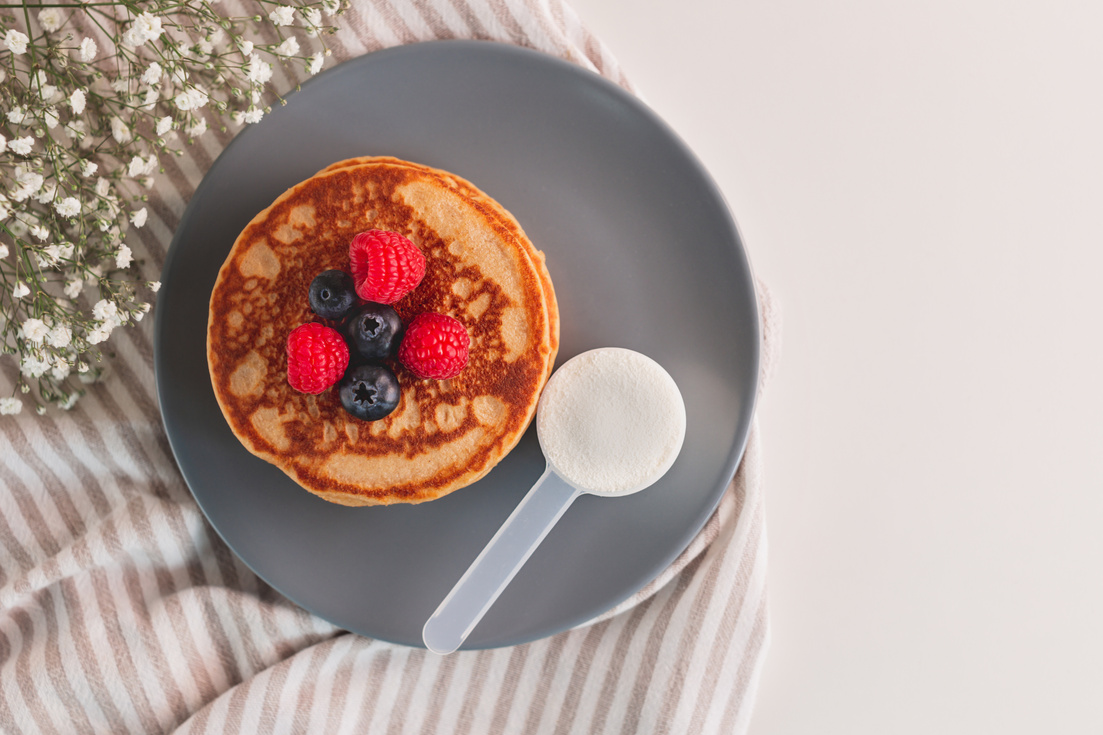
(248, 116)
(88, 50)
(102, 186)
(164, 125)
(17, 115)
(60, 370)
(10, 406)
(290, 47)
(153, 74)
(258, 71)
(87, 168)
(282, 16)
(3, 144)
(50, 19)
(331, 6)
(124, 257)
(40, 232)
(138, 219)
(68, 207)
(22, 146)
(198, 129)
(311, 17)
(76, 101)
(50, 117)
(60, 336)
(73, 288)
(35, 330)
(154, 286)
(140, 166)
(316, 62)
(16, 42)
(246, 48)
(100, 333)
(146, 27)
(4, 251)
(33, 366)
(105, 311)
(192, 98)
(20, 290)
(120, 131)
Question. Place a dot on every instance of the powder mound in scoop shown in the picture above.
(611, 420)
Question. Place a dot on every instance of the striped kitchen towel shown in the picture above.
(121, 610)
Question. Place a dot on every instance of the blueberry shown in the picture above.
(374, 331)
(369, 392)
(332, 294)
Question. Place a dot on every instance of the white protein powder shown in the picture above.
(611, 420)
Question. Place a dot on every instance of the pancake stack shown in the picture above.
(480, 269)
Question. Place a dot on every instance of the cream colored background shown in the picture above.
(922, 185)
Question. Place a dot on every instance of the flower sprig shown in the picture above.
(93, 96)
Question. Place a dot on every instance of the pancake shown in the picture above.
(480, 268)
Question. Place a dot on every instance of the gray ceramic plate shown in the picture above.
(643, 254)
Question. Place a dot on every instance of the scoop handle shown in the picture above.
(503, 556)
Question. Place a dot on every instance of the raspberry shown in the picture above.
(385, 265)
(435, 346)
(316, 357)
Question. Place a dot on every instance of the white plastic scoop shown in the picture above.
(610, 422)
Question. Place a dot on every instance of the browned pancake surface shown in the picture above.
(444, 434)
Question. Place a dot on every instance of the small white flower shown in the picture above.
(17, 115)
(16, 42)
(100, 333)
(79, 130)
(77, 100)
(40, 233)
(282, 16)
(316, 62)
(149, 99)
(105, 311)
(49, 93)
(248, 116)
(60, 336)
(155, 286)
(258, 71)
(153, 74)
(87, 168)
(192, 99)
(65, 250)
(88, 49)
(70, 401)
(10, 406)
(120, 85)
(73, 288)
(178, 76)
(22, 146)
(246, 48)
(138, 219)
(290, 47)
(102, 186)
(331, 6)
(35, 330)
(4, 252)
(50, 19)
(147, 182)
(33, 366)
(146, 27)
(68, 207)
(60, 370)
(46, 196)
(120, 132)
(3, 144)
(198, 129)
(50, 117)
(124, 257)
(140, 166)
(164, 125)
(20, 290)
(311, 17)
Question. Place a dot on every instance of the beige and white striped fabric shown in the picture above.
(121, 611)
